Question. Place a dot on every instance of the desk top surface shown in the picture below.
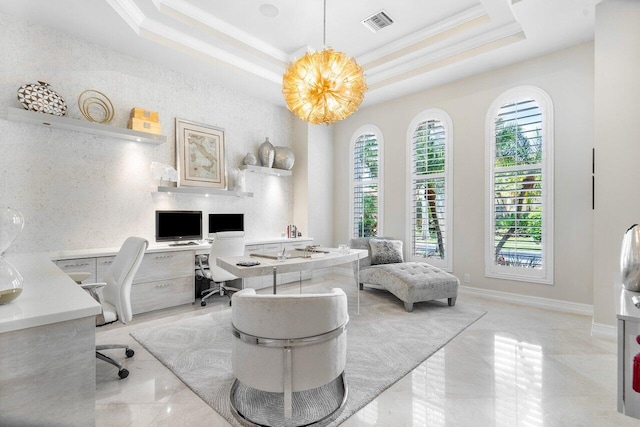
(160, 247)
(48, 296)
(332, 258)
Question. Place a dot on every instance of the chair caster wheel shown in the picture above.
(129, 352)
(123, 373)
(229, 303)
(203, 303)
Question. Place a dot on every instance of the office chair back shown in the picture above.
(225, 243)
(119, 277)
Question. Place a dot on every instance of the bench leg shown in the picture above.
(452, 301)
(408, 306)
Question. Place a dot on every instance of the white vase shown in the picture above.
(241, 184)
(250, 159)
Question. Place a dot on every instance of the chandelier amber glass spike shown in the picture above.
(323, 87)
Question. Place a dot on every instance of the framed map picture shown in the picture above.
(200, 150)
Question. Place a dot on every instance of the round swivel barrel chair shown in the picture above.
(288, 357)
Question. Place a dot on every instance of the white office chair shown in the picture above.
(114, 295)
(225, 243)
(288, 356)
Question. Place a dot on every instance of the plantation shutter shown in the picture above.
(518, 186)
(365, 186)
(428, 190)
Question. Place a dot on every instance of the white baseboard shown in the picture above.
(547, 303)
(600, 330)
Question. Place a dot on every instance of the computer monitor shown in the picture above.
(177, 226)
(225, 222)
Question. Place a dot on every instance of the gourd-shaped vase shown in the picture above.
(284, 158)
(11, 224)
(250, 159)
(630, 259)
(266, 153)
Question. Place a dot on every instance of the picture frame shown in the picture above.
(200, 155)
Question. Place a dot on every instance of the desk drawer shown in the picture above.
(161, 294)
(79, 265)
(272, 248)
(164, 265)
(296, 245)
(102, 265)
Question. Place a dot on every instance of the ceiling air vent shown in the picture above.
(378, 21)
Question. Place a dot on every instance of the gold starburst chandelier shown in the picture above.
(323, 87)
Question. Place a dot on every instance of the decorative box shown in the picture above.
(147, 115)
(144, 126)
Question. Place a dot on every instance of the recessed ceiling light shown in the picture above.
(269, 10)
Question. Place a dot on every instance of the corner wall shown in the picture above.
(313, 181)
(617, 144)
(567, 76)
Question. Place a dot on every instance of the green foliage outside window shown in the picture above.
(366, 195)
(517, 194)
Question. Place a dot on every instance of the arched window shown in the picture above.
(366, 182)
(519, 144)
(430, 189)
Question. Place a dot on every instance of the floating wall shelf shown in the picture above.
(67, 123)
(266, 171)
(202, 191)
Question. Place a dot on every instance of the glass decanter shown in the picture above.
(11, 224)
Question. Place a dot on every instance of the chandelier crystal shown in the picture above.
(323, 87)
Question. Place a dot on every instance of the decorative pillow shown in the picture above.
(385, 251)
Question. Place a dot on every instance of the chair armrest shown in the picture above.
(92, 288)
(78, 277)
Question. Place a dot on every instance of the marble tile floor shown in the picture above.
(516, 366)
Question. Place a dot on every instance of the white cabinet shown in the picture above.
(273, 248)
(164, 279)
(79, 265)
(628, 353)
(253, 282)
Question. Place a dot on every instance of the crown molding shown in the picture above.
(371, 58)
(129, 12)
(183, 11)
(470, 47)
(161, 33)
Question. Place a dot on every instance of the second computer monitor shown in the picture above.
(225, 222)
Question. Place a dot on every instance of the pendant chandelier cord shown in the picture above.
(324, 26)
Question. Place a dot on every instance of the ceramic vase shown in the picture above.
(283, 158)
(266, 153)
(41, 98)
(250, 159)
(630, 259)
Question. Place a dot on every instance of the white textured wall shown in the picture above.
(81, 191)
(321, 173)
(313, 181)
(567, 76)
(617, 91)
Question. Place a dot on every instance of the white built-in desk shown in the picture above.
(47, 349)
(166, 277)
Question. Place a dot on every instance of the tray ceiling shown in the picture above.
(243, 46)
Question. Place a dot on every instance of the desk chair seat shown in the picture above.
(225, 243)
(114, 295)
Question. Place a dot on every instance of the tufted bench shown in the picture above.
(409, 281)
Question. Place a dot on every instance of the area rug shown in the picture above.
(384, 343)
